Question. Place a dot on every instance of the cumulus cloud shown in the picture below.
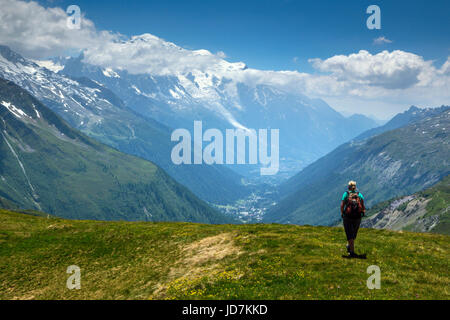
(384, 83)
(381, 40)
(39, 32)
(391, 70)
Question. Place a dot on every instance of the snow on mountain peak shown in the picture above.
(202, 52)
(110, 73)
(49, 64)
(145, 37)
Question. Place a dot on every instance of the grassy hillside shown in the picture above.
(427, 210)
(146, 260)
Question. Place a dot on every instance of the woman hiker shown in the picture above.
(352, 209)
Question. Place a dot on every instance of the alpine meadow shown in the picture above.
(224, 159)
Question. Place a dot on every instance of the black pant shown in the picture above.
(351, 227)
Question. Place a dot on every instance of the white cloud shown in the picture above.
(390, 70)
(221, 54)
(381, 40)
(445, 69)
(39, 32)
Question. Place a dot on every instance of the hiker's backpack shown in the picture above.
(353, 207)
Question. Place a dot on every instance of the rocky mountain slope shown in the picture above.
(424, 211)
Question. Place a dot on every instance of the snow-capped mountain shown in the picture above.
(83, 106)
(94, 109)
(222, 95)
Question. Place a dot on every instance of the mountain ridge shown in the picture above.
(413, 114)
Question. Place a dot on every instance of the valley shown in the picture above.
(252, 208)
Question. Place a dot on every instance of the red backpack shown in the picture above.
(353, 206)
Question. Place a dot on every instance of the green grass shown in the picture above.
(163, 260)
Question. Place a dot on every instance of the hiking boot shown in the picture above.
(354, 255)
(348, 248)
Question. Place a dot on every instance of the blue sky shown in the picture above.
(267, 34)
